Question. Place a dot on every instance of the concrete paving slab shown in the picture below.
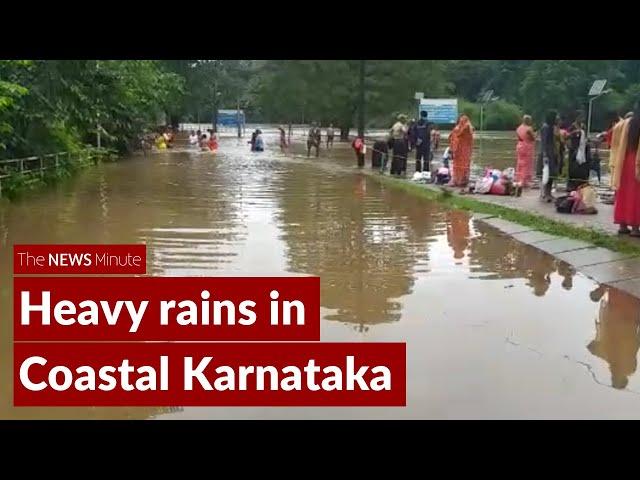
(534, 236)
(613, 271)
(591, 256)
(631, 287)
(561, 245)
(482, 216)
(506, 226)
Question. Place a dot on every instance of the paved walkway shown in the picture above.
(619, 270)
(530, 202)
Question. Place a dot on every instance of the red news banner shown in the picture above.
(156, 316)
(166, 308)
(217, 374)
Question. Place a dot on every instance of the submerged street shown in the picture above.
(494, 328)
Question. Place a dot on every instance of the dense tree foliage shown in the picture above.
(53, 105)
(299, 91)
(327, 91)
(56, 105)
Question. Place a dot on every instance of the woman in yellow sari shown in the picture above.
(161, 143)
(461, 142)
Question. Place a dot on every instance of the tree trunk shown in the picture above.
(361, 101)
(215, 119)
(289, 140)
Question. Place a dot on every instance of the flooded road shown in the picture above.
(494, 328)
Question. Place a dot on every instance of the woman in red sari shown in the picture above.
(525, 151)
(625, 173)
(461, 142)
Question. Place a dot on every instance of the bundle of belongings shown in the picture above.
(422, 177)
(442, 175)
(582, 200)
(495, 182)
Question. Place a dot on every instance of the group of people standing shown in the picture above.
(207, 141)
(624, 161)
(555, 141)
(424, 137)
(161, 140)
(314, 138)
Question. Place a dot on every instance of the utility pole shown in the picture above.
(238, 119)
(98, 127)
(361, 101)
(214, 121)
(595, 92)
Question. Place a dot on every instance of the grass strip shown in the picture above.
(538, 222)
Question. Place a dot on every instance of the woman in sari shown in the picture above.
(461, 141)
(525, 151)
(625, 173)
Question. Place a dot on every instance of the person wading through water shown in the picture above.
(252, 142)
(330, 135)
(398, 140)
(313, 139)
(283, 139)
(258, 145)
(422, 138)
(360, 148)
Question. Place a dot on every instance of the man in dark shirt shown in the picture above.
(548, 153)
(313, 139)
(422, 138)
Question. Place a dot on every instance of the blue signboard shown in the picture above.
(440, 110)
(230, 117)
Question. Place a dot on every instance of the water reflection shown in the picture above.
(500, 256)
(362, 240)
(458, 232)
(617, 335)
(390, 264)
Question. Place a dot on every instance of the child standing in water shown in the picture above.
(360, 149)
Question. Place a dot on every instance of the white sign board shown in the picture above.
(597, 87)
(419, 95)
(440, 110)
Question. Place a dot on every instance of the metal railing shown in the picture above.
(39, 165)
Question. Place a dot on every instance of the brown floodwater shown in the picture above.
(494, 328)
